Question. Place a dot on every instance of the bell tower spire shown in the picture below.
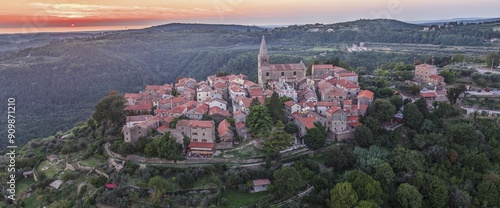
(263, 57)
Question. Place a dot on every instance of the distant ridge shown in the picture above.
(198, 26)
(464, 20)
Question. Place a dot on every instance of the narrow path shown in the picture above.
(298, 196)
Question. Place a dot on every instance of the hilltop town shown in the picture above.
(212, 113)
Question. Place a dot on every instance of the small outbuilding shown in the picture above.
(261, 185)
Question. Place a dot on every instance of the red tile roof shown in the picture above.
(352, 118)
(240, 125)
(178, 109)
(283, 67)
(255, 92)
(111, 185)
(289, 103)
(144, 107)
(195, 123)
(332, 110)
(132, 95)
(153, 87)
(366, 93)
(223, 128)
(355, 124)
(426, 66)
(346, 74)
(435, 76)
(163, 128)
(308, 122)
(324, 104)
(347, 102)
(347, 84)
(428, 94)
(200, 145)
(261, 182)
(323, 66)
(217, 110)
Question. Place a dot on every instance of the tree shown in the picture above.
(159, 186)
(340, 157)
(408, 196)
(259, 121)
(365, 186)
(315, 137)
(343, 195)
(291, 128)
(372, 123)
(422, 107)
(275, 107)
(110, 109)
(448, 75)
(488, 191)
(384, 173)
(397, 100)
(164, 147)
(364, 136)
(287, 182)
(492, 57)
(437, 192)
(382, 110)
(459, 198)
(407, 160)
(278, 139)
(412, 117)
(454, 92)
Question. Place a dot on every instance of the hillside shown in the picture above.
(57, 84)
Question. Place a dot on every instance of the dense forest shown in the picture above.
(57, 85)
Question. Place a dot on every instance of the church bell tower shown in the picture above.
(263, 57)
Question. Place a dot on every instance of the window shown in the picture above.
(282, 73)
(203, 134)
(267, 74)
(204, 140)
(195, 134)
(294, 73)
(195, 140)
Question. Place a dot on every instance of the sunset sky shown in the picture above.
(33, 15)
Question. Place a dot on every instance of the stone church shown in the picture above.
(275, 72)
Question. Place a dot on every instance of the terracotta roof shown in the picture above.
(132, 95)
(347, 102)
(338, 69)
(346, 74)
(352, 118)
(322, 66)
(255, 92)
(326, 104)
(261, 182)
(347, 84)
(240, 125)
(289, 103)
(435, 76)
(308, 122)
(366, 93)
(285, 67)
(235, 88)
(332, 110)
(203, 145)
(153, 87)
(426, 66)
(162, 128)
(220, 85)
(355, 124)
(178, 109)
(111, 185)
(428, 94)
(179, 100)
(223, 128)
(217, 110)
